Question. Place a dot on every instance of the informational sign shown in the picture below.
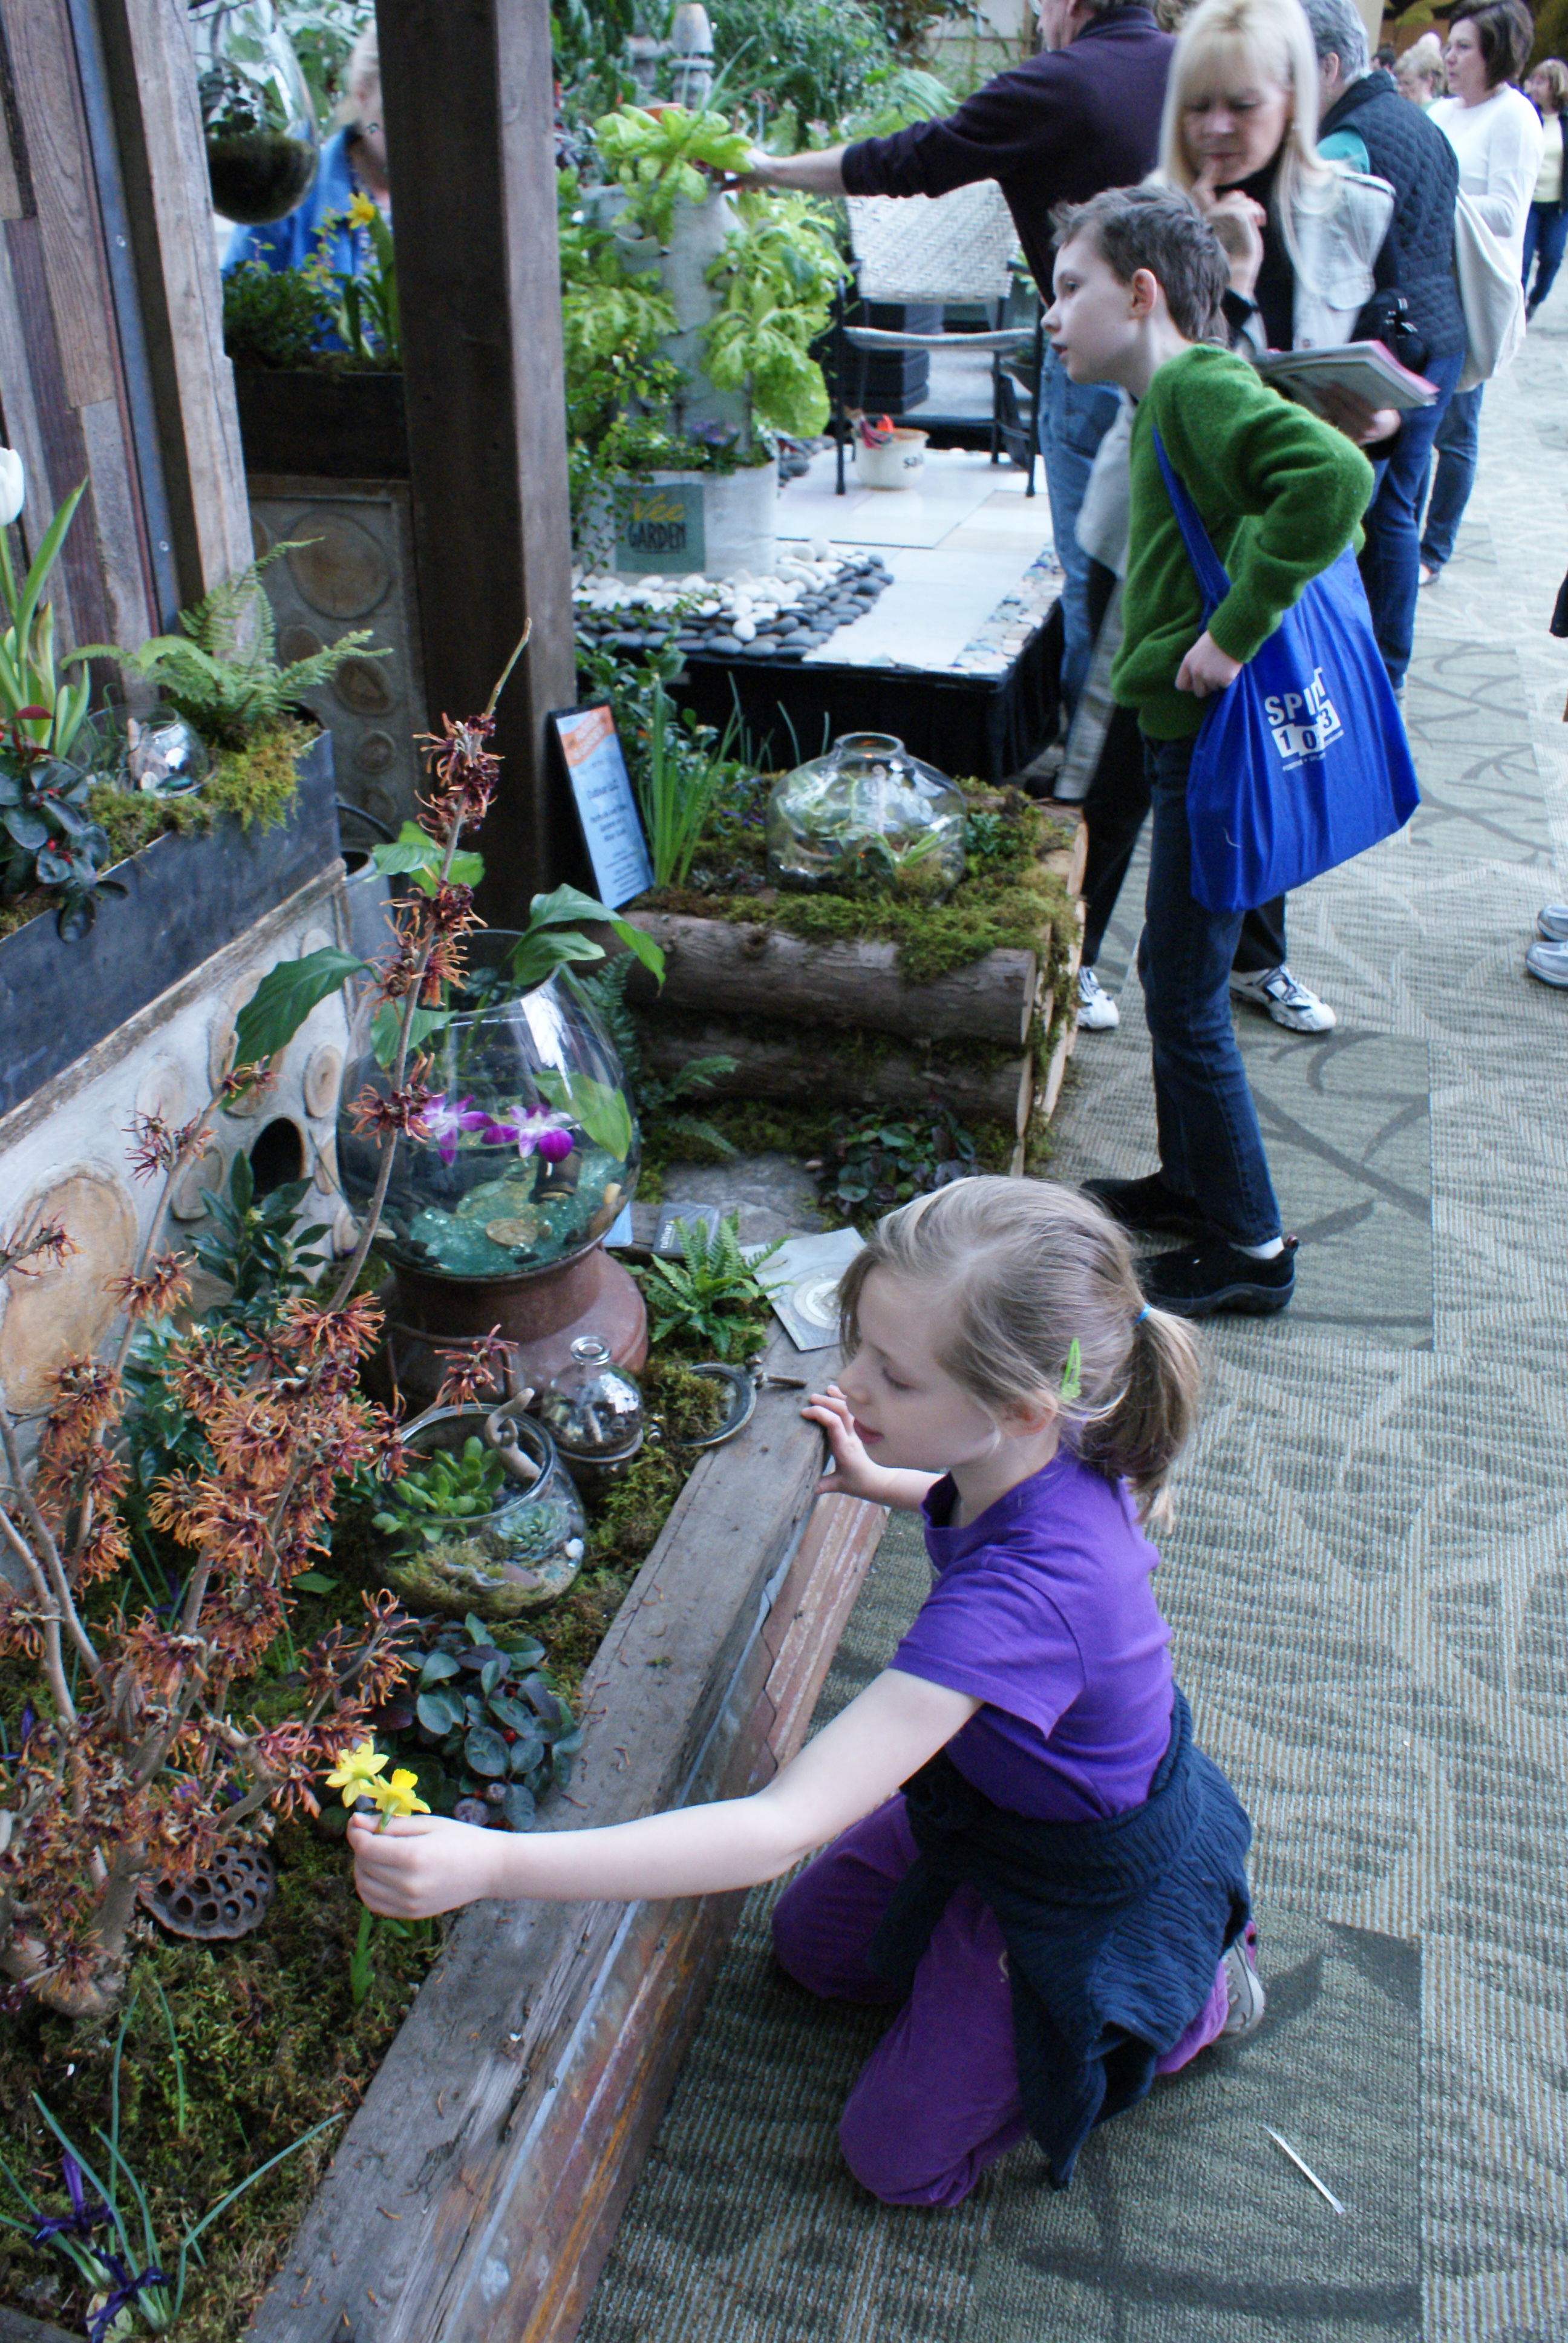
(605, 807)
(659, 529)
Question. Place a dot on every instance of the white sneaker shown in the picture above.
(1551, 922)
(1287, 1002)
(1097, 1012)
(1549, 962)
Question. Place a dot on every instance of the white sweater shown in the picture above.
(1498, 144)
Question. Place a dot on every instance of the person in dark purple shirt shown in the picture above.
(1082, 116)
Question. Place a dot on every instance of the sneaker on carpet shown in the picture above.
(1097, 1012)
(1551, 922)
(1208, 1280)
(1288, 1000)
(1244, 1997)
(1549, 962)
(1149, 1203)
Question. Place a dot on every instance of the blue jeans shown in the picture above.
(1546, 232)
(1075, 419)
(1391, 558)
(1210, 1148)
(1458, 439)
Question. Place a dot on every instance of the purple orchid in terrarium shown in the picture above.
(535, 1129)
(442, 1119)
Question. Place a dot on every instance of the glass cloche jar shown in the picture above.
(256, 117)
(526, 1148)
(867, 814)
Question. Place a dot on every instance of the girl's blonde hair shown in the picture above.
(1272, 39)
(1033, 1288)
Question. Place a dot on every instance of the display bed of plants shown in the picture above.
(874, 999)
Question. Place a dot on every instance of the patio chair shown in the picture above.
(935, 250)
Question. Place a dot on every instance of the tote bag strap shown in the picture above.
(1209, 570)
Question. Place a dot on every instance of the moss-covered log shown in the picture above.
(717, 965)
(805, 1068)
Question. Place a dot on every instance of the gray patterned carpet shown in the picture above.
(1369, 1587)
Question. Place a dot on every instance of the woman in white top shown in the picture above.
(1496, 132)
(1546, 224)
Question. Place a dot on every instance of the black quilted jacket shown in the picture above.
(1421, 167)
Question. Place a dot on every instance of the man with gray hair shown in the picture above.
(1367, 125)
(1081, 116)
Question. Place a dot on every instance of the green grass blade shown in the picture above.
(73, 2151)
(44, 561)
(181, 2103)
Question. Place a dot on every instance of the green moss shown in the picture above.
(1007, 900)
(271, 2044)
(257, 784)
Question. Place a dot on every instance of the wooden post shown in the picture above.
(467, 96)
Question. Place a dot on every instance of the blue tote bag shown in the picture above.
(1302, 761)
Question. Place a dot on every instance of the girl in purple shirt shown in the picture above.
(1006, 1378)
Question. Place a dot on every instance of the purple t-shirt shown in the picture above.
(1043, 1609)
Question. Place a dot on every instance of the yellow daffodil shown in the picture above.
(355, 1774)
(361, 211)
(397, 1796)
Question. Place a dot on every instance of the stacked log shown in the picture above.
(787, 1012)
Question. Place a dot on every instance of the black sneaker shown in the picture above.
(1217, 1277)
(1149, 1203)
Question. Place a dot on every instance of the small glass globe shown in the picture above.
(256, 117)
(867, 815)
(527, 1150)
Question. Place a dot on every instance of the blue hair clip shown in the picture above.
(1141, 1316)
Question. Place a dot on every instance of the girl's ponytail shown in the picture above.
(1146, 1429)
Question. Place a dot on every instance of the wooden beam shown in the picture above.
(151, 73)
(468, 99)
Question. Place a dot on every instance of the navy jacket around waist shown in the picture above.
(1113, 1929)
(1055, 129)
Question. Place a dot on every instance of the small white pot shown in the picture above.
(897, 463)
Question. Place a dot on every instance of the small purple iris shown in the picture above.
(441, 1118)
(538, 1131)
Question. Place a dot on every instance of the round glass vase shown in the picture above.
(499, 1564)
(496, 1207)
(256, 117)
(867, 815)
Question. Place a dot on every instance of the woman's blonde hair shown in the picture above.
(1034, 1289)
(1423, 61)
(1554, 74)
(1270, 38)
(360, 67)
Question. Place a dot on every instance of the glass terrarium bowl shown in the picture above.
(256, 117)
(499, 1564)
(867, 814)
(527, 1147)
(160, 753)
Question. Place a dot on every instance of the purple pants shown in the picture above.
(938, 2099)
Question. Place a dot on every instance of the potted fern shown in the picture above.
(189, 874)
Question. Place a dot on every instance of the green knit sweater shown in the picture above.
(1280, 494)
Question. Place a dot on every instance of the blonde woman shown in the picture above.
(1419, 72)
(1546, 227)
(352, 169)
(1304, 238)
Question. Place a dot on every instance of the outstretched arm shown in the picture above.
(424, 1863)
(809, 174)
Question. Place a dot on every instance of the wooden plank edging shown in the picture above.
(507, 2124)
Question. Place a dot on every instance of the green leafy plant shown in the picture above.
(776, 278)
(134, 2292)
(679, 776)
(992, 841)
(875, 1163)
(799, 58)
(42, 707)
(252, 1245)
(658, 1097)
(275, 317)
(369, 320)
(483, 1727)
(221, 672)
(321, 33)
(553, 937)
(661, 157)
(710, 1289)
(452, 1484)
(49, 840)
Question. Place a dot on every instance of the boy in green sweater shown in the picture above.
(1138, 279)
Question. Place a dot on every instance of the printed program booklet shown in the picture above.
(1367, 370)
